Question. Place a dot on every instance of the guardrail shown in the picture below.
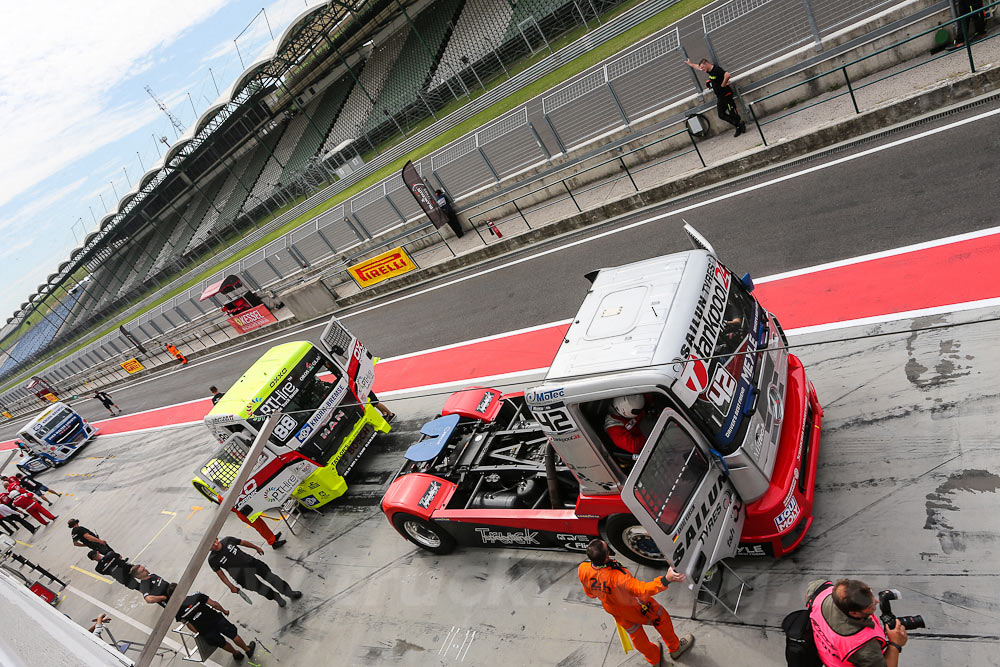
(963, 29)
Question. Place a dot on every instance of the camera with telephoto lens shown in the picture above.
(889, 619)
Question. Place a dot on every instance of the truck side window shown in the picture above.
(674, 469)
(624, 435)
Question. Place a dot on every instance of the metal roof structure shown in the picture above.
(330, 28)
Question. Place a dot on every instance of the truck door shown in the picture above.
(682, 496)
(352, 355)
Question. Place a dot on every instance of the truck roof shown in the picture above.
(257, 383)
(634, 316)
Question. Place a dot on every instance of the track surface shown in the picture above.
(911, 193)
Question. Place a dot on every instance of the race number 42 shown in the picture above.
(554, 420)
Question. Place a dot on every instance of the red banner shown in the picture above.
(255, 318)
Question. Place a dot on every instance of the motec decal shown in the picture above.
(389, 264)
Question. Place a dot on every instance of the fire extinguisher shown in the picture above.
(494, 230)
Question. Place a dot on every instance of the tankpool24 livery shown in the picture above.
(327, 422)
(730, 431)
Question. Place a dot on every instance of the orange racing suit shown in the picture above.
(631, 603)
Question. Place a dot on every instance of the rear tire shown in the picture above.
(631, 540)
(425, 534)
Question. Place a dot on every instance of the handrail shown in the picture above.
(963, 25)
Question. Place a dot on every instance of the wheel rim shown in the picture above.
(639, 542)
(421, 534)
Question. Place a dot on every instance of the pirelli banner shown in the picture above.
(374, 270)
(424, 195)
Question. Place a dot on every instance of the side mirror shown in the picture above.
(747, 282)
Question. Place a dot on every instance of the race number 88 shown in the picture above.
(556, 420)
(283, 429)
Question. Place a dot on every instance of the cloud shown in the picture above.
(8, 250)
(61, 62)
(39, 204)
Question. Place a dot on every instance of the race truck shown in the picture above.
(52, 438)
(327, 422)
(729, 432)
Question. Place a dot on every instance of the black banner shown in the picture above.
(424, 196)
(132, 339)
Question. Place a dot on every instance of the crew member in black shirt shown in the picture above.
(85, 537)
(216, 394)
(247, 571)
(154, 588)
(201, 614)
(718, 81)
(116, 566)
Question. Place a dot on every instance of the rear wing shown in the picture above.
(352, 355)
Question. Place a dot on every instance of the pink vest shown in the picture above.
(834, 650)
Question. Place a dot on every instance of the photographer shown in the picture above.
(847, 629)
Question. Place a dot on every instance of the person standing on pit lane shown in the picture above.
(29, 483)
(85, 537)
(15, 483)
(202, 614)
(154, 588)
(718, 81)
(630, 602)
(216, 394)
(9, 516)
(21, 499)
(846, 626)
(116, 566)
(108, 402)
(248, 571)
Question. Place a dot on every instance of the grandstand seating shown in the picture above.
(41, 332)
(150, 245)
(208, 224)
(422, 48)
(480, 27)
(525, 8)
(173, 239)
(272, 169)
(324, 112)
(358, 107)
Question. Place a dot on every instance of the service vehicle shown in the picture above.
(732, 430)
(327, 422)
(53, 437)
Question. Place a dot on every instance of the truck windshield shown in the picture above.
(313, 379)
(732, 371)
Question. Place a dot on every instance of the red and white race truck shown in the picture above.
(731, 428)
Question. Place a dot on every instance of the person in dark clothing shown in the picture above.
(248, 571)
(963, 7)
(116, 566)
(718, 81)
(154, 588)
(202, 614)
(107, 401)
(442, 201)
(85, 537)
(216, 394)
(31, 484)
(9, 516)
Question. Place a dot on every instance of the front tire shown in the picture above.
(425, 534)
(206, 491)
(624, 533)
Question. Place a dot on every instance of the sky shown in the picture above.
(79, 128)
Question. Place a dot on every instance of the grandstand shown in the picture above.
(344, 77)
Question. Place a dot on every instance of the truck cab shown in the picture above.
(327, 422)
(53, 437)
(725, 435)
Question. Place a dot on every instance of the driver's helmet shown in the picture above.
(628, 406)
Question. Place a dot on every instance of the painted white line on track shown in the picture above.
(451, 346)
(142, 627)
(151, 429)
(624, 228)
(894, 317)
(508, 378)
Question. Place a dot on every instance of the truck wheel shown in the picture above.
(627, 537)
(425, 534)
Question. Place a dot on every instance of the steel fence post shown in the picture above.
(625, 167)
(361, 225)
(812, 25)
(757, 123)
(618, 104)
(850, 89)
(570, 193)
(520, 212)
(695, 144)
(964, 24)
(476, 229)
(711, 49)
(559, 142)
(698, 85)
(541, 144)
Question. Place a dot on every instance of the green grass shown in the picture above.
(517, 98)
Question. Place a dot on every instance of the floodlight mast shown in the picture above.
(178, 126)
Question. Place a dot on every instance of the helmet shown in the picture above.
(628, 406)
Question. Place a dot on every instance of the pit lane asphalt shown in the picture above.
(932, 187)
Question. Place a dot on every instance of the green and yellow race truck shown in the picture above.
(328, 420)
